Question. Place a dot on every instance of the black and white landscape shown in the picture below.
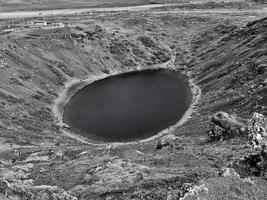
(142, 99)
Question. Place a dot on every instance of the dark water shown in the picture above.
(129, 106)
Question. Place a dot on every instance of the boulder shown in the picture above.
(224, 126)
(257, 131)
(196, 192)
(65, 126)
(165, 141)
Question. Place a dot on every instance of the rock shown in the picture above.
(65, 126)
(196, 192)
(87, 177)
(255, 164)
(147, 41)
(228, 172)
(165, 141)
(139, 176)
(37, 157)
(257, 131)
(224, 126)
(90, 179)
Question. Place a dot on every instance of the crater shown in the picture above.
(128, 107)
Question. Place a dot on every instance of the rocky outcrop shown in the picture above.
(254, 164)
(196, 192)
(257, 131)
(225, 126)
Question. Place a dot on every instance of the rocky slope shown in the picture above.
(224, 55)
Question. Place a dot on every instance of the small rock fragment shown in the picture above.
(228, 172)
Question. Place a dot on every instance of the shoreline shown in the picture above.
(74, 85)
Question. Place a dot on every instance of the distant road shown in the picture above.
(24, 14)
(27, 14)
(223, 11)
